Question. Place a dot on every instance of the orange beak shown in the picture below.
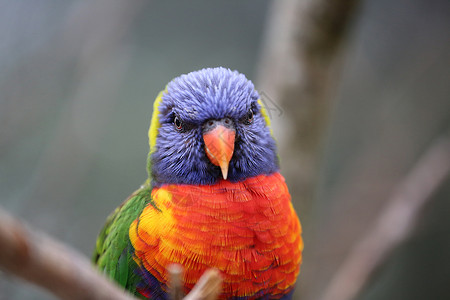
(219, 146)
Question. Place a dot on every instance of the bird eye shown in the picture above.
(177, 123)
(249, 117)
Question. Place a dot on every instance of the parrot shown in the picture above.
(214, 197)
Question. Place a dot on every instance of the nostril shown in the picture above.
(227, 121)
(210, 123)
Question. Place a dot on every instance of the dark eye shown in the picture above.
(177, 123)
(249, 117)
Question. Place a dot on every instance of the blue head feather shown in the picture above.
(195, 98)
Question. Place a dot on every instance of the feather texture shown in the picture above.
(248, 230)
(113, 253)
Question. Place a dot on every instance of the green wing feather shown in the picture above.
(114, 253)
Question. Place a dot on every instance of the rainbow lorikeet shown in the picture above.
(214, 197)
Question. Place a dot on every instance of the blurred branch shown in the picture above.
(208, 287)
(299, 70)
(41, 260)
(394, 224)
(175, 282)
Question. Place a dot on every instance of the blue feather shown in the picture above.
(203, 95)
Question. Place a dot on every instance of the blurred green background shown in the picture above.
(77, 83)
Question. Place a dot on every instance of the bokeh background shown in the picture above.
(77, 83)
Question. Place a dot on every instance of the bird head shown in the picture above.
(207, 126)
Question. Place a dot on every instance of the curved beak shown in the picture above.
(219, 139)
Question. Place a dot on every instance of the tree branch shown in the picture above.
(208, 287)
(299, 70)
(175, 282)
(39, 259)
(394, 224)
(45, 262)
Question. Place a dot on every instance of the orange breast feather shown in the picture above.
(248, 230)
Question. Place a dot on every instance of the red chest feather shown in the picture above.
(248, 230)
